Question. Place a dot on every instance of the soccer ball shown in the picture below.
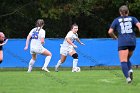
(76, 69)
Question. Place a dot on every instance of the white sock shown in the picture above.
(58, 64)
(75, 61)
(31, 63)
(47, 60)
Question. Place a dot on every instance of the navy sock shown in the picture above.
(124, 69)
(129, 65)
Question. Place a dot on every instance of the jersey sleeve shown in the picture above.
(31, 32)
(69, 35)
(113, 25)
(135, 20)
(42, 33)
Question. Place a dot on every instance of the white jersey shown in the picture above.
(67, 48)
(72, 37)
(35, 45)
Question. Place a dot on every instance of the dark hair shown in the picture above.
(39, 22)
(124, 10)
(73, 25)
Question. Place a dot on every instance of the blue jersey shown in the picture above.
(124, 26)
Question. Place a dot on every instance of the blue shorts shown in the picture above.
(130, 48)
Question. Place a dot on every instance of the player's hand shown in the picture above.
(25, 48)
(82, 44)
(74, 46)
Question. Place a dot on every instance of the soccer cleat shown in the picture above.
(56, 69)
(45, 69)
(128, 80)
(130, 73)
(28, 71)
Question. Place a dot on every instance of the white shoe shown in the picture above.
(56, 69)
(45, 69)
(128, 80)
(130, 73)
(28, 71)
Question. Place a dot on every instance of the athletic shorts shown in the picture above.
(38, 50)
(130, 48)
(65, 50)
(0, 47)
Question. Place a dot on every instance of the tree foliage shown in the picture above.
(94, 17)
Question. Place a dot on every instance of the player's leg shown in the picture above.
(63, 53)
(75, 58)
(130, 72)
(31, 63)
(129, 63)
(62, 60)
(123, 54)
(1, 56)
(47, 59)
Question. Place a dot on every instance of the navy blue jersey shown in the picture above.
(124, 26)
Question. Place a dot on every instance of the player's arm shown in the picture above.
(70, 42)
(78, 40)
(5, 41)
(27, 42)
(111, 33)
(138, 25)
(42, 41)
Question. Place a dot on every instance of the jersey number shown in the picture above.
(35, 35)
(126, 27)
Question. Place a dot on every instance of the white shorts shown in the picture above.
(37, 50)
(64, 50)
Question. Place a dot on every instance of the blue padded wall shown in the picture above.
(95, 52)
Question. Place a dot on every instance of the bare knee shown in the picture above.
(50, 54)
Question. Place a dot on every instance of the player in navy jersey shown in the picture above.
(3, 41)
(124, 25)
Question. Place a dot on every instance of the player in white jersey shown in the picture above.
(68, 47)
(37, 36)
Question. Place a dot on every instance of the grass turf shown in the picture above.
(86, 81)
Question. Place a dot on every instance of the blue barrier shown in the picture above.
(95, 52)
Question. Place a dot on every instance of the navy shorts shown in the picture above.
(0, 47)
(130, 48)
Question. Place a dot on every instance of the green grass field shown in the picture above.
(86, 81)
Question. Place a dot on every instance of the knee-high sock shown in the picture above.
(58, 64)
(31, 63)
(47, 60)
(129, 65)
(124, 69)
(75, 61)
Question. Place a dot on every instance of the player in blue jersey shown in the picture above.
(124, 25)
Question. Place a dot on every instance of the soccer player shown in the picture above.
(3, 41)
(124, 25)
(37, 36)
(68, 47)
